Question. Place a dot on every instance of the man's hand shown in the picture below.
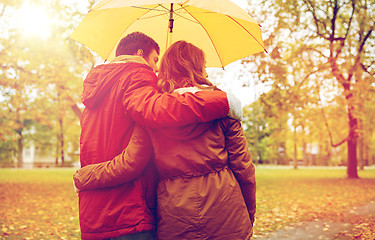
(75, 188)
(235, 107)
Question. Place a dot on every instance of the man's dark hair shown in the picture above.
(130, 44)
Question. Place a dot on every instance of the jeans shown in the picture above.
(137, 236)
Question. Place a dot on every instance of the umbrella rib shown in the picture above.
(213, 44)
(247, 32)
(175, 12)
(161, 14)
(186, 18)
(151, 9)
(161, 5)
(165, 13)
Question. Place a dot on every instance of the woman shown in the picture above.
(207, 182)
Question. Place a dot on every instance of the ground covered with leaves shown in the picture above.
(286, 197)
(41, 204)
(38, 204)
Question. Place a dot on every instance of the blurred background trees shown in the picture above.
(40, 80)
(318, 110)
(321, 67)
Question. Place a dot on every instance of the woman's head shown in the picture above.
(182, 65)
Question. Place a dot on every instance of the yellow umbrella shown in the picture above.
(224, 31)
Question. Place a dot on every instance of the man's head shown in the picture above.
(140, 44)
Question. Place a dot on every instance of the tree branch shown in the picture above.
(360, 50)
(77, 111)
(365, 39)
(366, 68)
(3, 10)
(333, 21)
(326, 123)
(316, 50)
(311, 73)
(336, 72)
(311, 9)
(332, 60)
(351, 19)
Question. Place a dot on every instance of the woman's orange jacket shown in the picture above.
(116, 96)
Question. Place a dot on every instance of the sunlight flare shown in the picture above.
(33, 20)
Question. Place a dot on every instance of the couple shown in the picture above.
(178, 142)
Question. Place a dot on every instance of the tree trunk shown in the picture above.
(352, 158)
(20, 150)
(62, 142)
(304, 147)
(361, 149)
(57, 151)
(295, 147)
(352, 171)
(283, 159)
(256, 138)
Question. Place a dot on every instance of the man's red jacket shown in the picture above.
(116, 95)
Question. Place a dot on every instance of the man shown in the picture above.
(117, 95)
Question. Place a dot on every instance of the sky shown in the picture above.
(242, 3)
(232, 80)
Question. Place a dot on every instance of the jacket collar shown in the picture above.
(191, 89)
(129, 58)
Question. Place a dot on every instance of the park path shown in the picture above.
(324, 229)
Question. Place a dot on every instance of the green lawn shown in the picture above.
(41, 204)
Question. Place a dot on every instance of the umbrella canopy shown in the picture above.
(224, 31)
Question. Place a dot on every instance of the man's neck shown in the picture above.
(129, 58)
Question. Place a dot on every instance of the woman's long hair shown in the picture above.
(182, 65)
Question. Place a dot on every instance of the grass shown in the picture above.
(41, 204)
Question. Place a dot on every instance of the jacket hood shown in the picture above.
(101, 79)
(188, 131)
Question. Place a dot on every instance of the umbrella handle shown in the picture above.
(171, 20)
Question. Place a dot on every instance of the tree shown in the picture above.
(257, 130)
(347, 36)
(41, 78)
(338, 35)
